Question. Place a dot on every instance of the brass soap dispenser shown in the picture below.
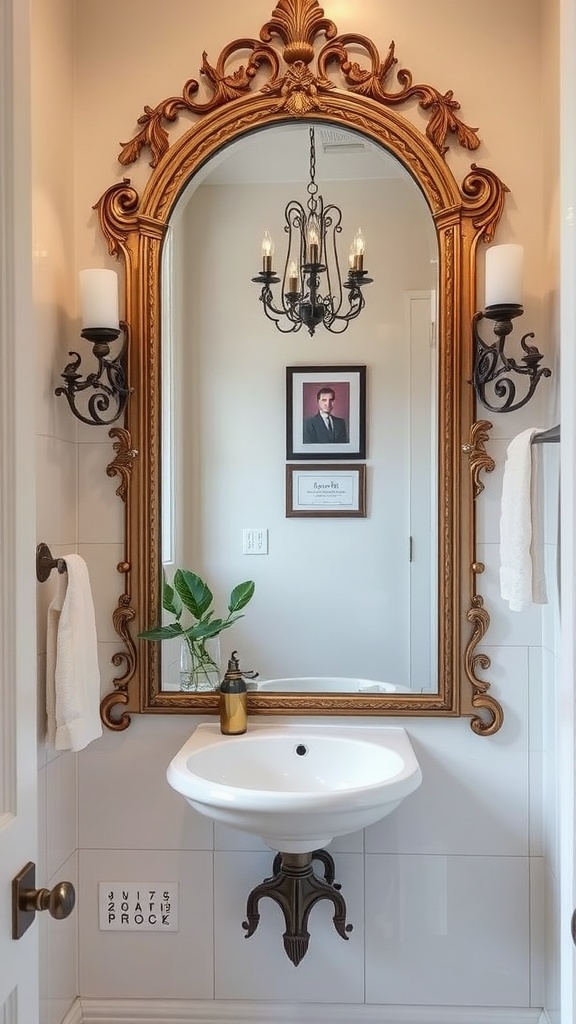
(233, 716)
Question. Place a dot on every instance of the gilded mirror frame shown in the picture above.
(300, 67)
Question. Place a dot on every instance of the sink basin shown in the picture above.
(296, 786)
(329, 684)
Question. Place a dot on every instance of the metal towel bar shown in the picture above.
(547, 436)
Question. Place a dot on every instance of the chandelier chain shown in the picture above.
(312, 187)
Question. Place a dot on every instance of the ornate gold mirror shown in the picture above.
(195, 347)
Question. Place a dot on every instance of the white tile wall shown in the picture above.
(124, 776)
(100, 510)
(148, 965)
(61, 810)
(447, 930)
(57, 488)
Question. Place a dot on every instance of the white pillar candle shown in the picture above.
(504, 266)
(99, 298)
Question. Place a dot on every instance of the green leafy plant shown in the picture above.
(189, 593)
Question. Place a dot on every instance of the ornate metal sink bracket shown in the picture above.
(295, 888)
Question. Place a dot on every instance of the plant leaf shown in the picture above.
(170, 600)
(195, 593)
(240, 596)
(204, 630)
(162, 632)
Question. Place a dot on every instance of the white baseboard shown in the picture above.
(153, 1011)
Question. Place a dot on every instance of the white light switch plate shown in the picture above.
(138, 906)
(255, 541)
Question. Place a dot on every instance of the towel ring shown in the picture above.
(45, 563)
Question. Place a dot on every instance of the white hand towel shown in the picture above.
(72, 674)
(522, 579)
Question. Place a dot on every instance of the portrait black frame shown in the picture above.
(297, 377)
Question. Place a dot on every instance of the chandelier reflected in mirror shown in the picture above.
(312, 290)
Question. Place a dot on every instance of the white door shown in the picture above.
(18, 779)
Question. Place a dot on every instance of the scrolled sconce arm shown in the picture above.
(493, 367)
(108, 383)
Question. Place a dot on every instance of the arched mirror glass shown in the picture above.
(338, 597)
(214, 464)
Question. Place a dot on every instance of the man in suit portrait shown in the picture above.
(323, 427)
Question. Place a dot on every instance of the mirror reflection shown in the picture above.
(337, 596)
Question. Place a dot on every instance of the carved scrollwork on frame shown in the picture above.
(479, 461)
(300, 67)
(299, 89)
(481, 700)
(485, 195)
(123, 461)
(124, 614)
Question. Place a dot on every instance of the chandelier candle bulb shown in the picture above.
(267, 253)
(357, 251)
(292, 278)
(504, 267)
(313, 240)
(99, 298)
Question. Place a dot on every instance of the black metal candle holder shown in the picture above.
(492, 367)
(110, 391)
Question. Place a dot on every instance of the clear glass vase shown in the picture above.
(200, 666)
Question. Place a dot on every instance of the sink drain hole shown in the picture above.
(301, 750)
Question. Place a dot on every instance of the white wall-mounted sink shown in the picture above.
(296, 786)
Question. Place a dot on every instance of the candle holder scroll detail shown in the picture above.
(108, 385)
(493, 368)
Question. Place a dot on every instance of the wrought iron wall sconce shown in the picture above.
(107, 386)
(492, 366)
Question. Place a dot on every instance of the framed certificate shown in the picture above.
(326, 490)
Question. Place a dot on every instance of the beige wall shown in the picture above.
(477, 814)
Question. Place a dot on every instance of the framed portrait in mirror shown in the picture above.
(325, 412)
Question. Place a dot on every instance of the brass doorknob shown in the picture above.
(59, 901)
(27, 899)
